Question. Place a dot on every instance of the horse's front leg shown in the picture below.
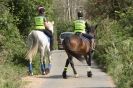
(72, 65)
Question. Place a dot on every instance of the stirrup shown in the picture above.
(51, 49)
(92, 49)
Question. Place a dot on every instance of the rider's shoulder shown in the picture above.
(87, 22)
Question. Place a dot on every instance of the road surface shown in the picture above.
(99, 79)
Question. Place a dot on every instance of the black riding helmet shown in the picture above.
(80, 14)
(41, 9)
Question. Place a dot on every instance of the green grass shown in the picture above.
(10, 76)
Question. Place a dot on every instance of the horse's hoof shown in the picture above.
(64, 75)
(47, 71)
(49, 66)
(76, 75)
(30, 74)
(89, 74)
(43, 73)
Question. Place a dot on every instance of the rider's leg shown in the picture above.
(90, 37)
(49, 34)
(92, 44)
(51, 43)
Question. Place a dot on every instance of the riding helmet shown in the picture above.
(80, 14)
(41, 9)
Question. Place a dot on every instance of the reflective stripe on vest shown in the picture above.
(79, 26)
(39, 22)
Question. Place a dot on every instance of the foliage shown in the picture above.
(120, 57)
(24, 12)
(114, 38)
(114, 51)
(107, 8)
(11, 76)
(63, 27)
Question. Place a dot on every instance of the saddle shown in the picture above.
(83, 38)
(47, 32)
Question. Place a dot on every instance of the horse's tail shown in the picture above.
(66, 43)
(33, 45)
(70, 51)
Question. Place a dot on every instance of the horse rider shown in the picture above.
(40, 24)
(80, 27)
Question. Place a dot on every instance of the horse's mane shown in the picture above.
(49, 25)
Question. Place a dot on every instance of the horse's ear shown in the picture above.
(52, 22)
(96, 26)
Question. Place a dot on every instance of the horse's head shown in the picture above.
(92, 29)
(50, 26)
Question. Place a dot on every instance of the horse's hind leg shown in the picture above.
(65, 69)
(88, 60)
(47, 70)
(49, 59)
(30, 67)
(42, 52)
(69, 60)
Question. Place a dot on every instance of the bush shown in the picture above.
(114, 52)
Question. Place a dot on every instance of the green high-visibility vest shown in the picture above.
(79, 26)
(39, 22)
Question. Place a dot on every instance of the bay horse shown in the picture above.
(38, 41)
(79, 47)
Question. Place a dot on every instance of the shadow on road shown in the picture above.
(52, 77)
(55, 77)
(95, 87)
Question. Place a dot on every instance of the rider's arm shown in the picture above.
(45, 22)
(87, 27)
(45, 19)
(73, 25)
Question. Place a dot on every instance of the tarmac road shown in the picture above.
(99, 79)
(55, 80)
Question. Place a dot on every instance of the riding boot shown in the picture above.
(92, 45)
(51, 44)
